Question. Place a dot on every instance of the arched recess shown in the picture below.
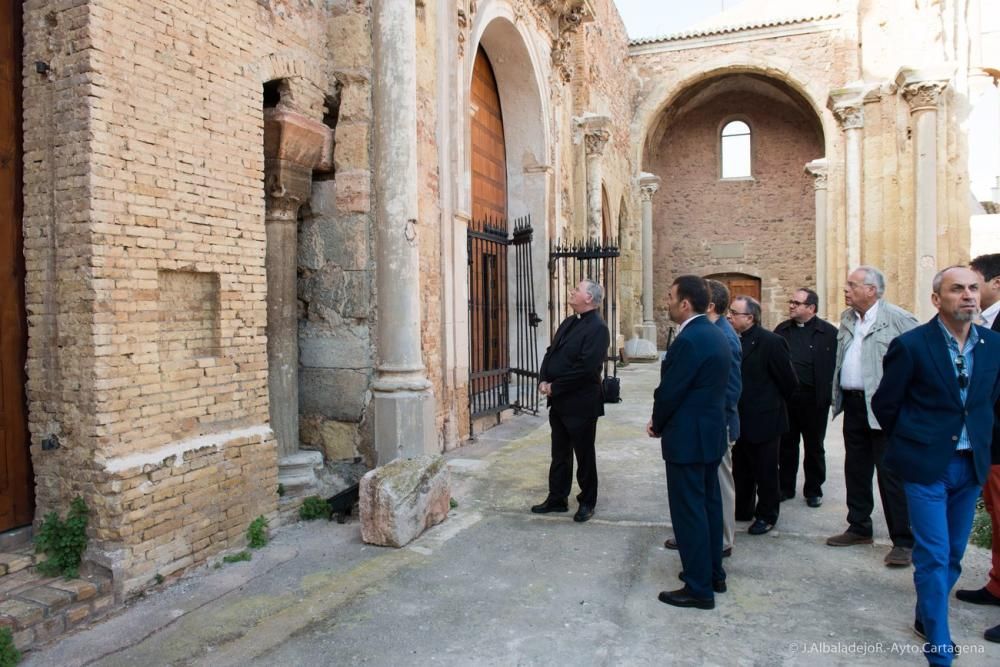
(520, 80)
(706, 223)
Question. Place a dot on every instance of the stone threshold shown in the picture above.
(37, 608)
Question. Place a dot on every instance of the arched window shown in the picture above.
(736, 150)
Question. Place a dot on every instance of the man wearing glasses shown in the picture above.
(768, 381)
(867, 327)
(812, 343)
(935, 403)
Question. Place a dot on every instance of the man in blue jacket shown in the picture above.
(689, 417)
(935, 403)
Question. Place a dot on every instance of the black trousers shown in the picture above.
(571, 435)
(808, 423)
(696, 515)
(755, 474)
(864, 449)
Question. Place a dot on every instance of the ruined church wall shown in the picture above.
(144, 228)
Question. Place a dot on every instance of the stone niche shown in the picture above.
(188, 315)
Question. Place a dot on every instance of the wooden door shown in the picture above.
(739, 284)
(487, 266)
(16, 492)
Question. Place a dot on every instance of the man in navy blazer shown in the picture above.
(689, 417)
(935, 403)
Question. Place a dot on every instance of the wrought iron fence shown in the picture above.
(571, 262)
(497, 327)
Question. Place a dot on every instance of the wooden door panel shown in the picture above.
(16, 493)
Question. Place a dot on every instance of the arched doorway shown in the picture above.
(487, 260)
(16, 492)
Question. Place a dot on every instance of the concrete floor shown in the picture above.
(496, 585)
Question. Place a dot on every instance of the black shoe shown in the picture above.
(993, 634)
(814, 501)
(759, 527)
(551, 505)
(787, 496)
(726, 553)
(682, 598)
(583, 513)
(719, 585)
(977, 596)
(670, 543)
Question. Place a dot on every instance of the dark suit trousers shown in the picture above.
(864, 449)
(573, 434)
(696, 515)
(755, 474)
(807, 422)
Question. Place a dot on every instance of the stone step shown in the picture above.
(38, 608)
(16, 560)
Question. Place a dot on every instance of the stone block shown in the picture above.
(354, 191)
(355, 101)
(351, 151)
(345, 241)
(351, 34)
(403, 498)
(23, 613)
(353, 295)
(339, 348)
(47, 596)
(333, 393)
(80, 589)
(338, 440)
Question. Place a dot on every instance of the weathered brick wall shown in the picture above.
(770, 219)
(144, 170)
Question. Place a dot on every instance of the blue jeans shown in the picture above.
(941, 519)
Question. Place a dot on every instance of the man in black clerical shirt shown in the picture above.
(812, 343)
(570, 378)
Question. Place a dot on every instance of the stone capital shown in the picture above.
(922, 88)
(848, 106)
(648, 185)
(819, 170)
(595, 141)
(292, 137)
(286, 186)
(594, 130)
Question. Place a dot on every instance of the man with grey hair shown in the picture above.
(867, 327)
(570, 378)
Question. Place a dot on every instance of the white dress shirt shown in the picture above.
(990, 314)
(851, 374)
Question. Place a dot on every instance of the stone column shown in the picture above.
(595, 137)
(922, 91)
(847, 105)
(403, 403)
(818, 170)
(648, 185)
(643, 346)
(293, 146)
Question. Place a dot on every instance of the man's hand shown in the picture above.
(649, 430)
(545, 388)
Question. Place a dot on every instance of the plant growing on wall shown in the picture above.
(9, 655)
(257, 533)
(63, 542)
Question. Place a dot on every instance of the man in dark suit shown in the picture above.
(812, 343)
(570, 379)
(935, 404)
(689, 417)
(768, 381)
(988, 268)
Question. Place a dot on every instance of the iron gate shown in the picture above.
(571, 262)
(495, 382)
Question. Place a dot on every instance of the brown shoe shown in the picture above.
(899, 557)
(848, 539)
(670, 543)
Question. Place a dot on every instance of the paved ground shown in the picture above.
(496, 585)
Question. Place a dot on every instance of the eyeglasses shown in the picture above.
(735, 313)
(793, 302)
(963, 377)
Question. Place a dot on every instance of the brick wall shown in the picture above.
(145, 257)
(771, 218)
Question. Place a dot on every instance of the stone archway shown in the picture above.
(707, 222)
(520, 83)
